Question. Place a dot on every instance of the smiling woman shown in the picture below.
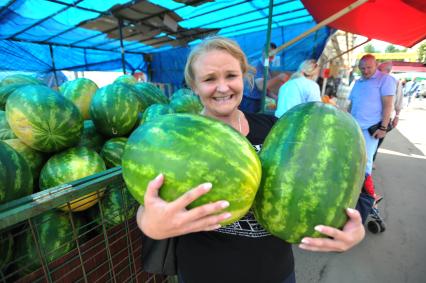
(242, 251)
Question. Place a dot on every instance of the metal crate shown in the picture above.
(96, 250)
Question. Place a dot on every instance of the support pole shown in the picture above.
(347, 51)
(266, 60)
(53, 66)
(123, 59)
(320, 25)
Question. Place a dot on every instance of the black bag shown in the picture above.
(375, 127)
(159, 256)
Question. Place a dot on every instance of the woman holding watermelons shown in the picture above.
(242, 251)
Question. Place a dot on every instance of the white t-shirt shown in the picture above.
(296, 91)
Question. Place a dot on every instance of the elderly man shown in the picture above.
(372, 103)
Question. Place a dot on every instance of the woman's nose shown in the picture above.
(222, 86)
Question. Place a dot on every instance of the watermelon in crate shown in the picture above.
(15, 175)
(151, 94)
(112, 151)
(154, 111)
(114, 109)
(126, 79)
(5, 130)
(190, 150)
(90, 137)
(70, 165)
(313, 165)
(35, 159)
(54, 237)
(186, 104)
(43, 119)
(80, 91)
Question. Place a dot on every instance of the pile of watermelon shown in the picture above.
(50, 138)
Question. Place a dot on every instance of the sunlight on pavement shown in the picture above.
(387, 151)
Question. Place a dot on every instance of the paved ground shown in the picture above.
(398, 254)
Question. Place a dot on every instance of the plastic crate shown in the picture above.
(96, 247)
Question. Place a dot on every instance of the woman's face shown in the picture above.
(218, 82)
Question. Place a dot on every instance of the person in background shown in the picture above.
(253, 91)
(242, 251)
(386, 67)
(371, 102)
(300, 88)
(49, 79)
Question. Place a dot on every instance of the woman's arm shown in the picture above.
(159, 219)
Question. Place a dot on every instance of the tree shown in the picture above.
(421, 52)
(369, 48)
(391, 49)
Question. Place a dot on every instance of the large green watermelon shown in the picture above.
(15, 175)
(112, 151)
(186, 104)
(126, 79)
(181, 92)
(21, 79)
(114, 110)
(5, 130)
(80, 91)
(117, 206)
(43, 119)
(35, 159)
(151, 94)
(155, 110)
(70, 165)
(54, 238)
(190, 150)
(90, 137)
(313, 165)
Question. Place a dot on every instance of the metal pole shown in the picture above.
(123, 60)
(53, 65)
(266, 60)
(325, 22)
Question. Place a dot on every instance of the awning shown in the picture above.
(401, 22)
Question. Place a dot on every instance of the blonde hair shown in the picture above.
(217, 43)
(306, 68)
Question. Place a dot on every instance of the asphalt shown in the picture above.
(399, 253)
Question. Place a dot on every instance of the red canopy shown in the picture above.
(401, 22)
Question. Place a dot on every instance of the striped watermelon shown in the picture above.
(112, 151)
(117, 206)
(35, 159)
(5, 130)
(151, 94)
(181, 92)
(186, 104)
(55, 239)
(70, 165)
(43, 119)
(313, 163)
(190, 150)
(114, 110)
(80, 91)
(126, 79)
(15, 175)
(63, 87)
(90, 137)
(6, 248)
(154, 111)
(20, 79)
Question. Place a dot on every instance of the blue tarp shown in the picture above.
(28, 28)
(167, 66)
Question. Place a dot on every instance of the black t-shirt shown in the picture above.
(242, 251)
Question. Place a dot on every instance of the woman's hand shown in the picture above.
(159, 219)
(341, 240)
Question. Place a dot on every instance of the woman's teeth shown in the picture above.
(224, 98)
